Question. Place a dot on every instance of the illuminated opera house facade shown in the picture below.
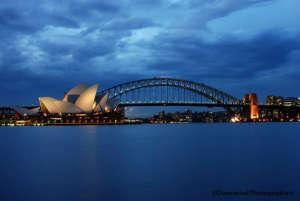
(81, 99)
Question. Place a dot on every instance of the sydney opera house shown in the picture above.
(80, 99)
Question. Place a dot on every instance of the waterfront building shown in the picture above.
(279, 100)
(80, 99)
(291, 101)
(274, 100)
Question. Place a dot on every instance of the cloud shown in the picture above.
(227, 58)
(108, 41)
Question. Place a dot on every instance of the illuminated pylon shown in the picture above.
(254, 112)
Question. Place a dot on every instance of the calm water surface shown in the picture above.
(149, 162)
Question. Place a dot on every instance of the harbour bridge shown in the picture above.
(169, 92)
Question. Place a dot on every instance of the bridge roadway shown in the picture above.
(210, 105)
(180, 104)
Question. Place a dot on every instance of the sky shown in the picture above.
(238, 46)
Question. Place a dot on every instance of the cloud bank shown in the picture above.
(48, 46)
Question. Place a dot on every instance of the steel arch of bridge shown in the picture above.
(216, 96)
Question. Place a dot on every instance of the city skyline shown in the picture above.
(239, 47)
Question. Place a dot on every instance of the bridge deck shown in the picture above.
(180, 104)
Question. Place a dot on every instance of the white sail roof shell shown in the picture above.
(66, 107)
(55, 106)
(50, 105)
(86, 100)
(104, 102)
(75, 91)
(25, 111)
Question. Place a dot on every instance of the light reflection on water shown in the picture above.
(148, 162)
(90, 129)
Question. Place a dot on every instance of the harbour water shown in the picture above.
(157, 162)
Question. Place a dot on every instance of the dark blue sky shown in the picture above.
(238, 46)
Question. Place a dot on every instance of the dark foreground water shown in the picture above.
(149, 162)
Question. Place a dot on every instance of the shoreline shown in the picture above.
(136, 123)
